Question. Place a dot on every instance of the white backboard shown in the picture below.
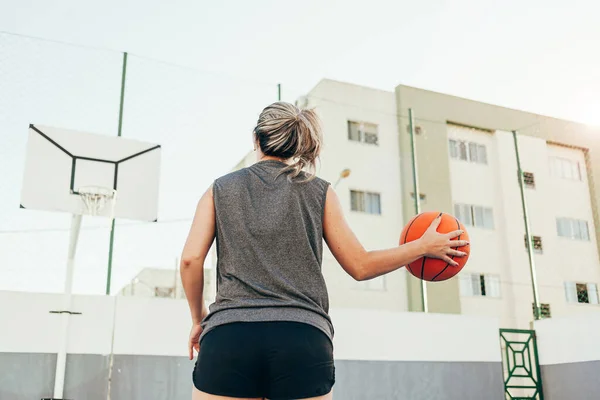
(60, 161)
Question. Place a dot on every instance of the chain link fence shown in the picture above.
(203, 121)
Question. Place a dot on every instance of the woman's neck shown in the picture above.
(262, 157)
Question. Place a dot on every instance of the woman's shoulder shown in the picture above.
(231, 177)
(315, 180)
(238, 176)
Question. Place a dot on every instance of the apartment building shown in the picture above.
(466, 166)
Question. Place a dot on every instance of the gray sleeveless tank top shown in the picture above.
(269, 234)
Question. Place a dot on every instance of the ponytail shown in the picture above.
(285, 131)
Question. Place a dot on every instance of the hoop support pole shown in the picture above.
(61, 359)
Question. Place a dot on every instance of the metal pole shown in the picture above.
(61, 358)
(337, 182)
(279, 92)
(122, 102)
(413, 150)
(112, 223)
(111, 359)
(536, 296)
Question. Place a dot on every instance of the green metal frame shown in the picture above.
(527, 369)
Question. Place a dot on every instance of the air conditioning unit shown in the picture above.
(418, 129)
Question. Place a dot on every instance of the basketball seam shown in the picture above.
(425, 260)
(409, 226)
(406, 235)
(447, 264)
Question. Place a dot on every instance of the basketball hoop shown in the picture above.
(94, 199)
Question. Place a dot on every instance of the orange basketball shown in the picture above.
(432, 269)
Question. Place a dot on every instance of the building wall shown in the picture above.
(480, 185)
(562, 259)
(501, 251)
(386, 169)
(539, 137)
(374, 168)
(434, 110)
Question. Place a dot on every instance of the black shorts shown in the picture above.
(275, 360)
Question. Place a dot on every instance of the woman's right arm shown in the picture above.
(361, 264)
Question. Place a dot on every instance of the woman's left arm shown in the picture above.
(197, 245)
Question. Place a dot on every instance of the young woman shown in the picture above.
(268, 334)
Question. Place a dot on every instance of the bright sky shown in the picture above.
(222, 61)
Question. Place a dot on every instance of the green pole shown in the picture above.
(413, 151)
(122, 102)
(536, 296)
(112, 224)
(279, 92)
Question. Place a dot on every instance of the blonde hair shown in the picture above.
(285, 131)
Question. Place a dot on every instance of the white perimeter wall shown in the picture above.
(151, 326)
(569, 340)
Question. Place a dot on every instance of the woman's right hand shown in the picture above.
(441, 245)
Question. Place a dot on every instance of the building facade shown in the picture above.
(467, 167)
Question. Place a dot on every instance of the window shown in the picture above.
(565, 169)
(452, 146)
(462, 151)
(529, 180)
(378, 284)
(477, 153)
(468, 151)
(373, 203)
(464, 213)
(581, 292)
(363, 132)
(477, 216)
(367, 202)
(544, 310)
(354, 132)
(479, 285)
(357, 200)
(572, 228)
(537, 243)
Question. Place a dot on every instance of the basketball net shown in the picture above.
(94, 199)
